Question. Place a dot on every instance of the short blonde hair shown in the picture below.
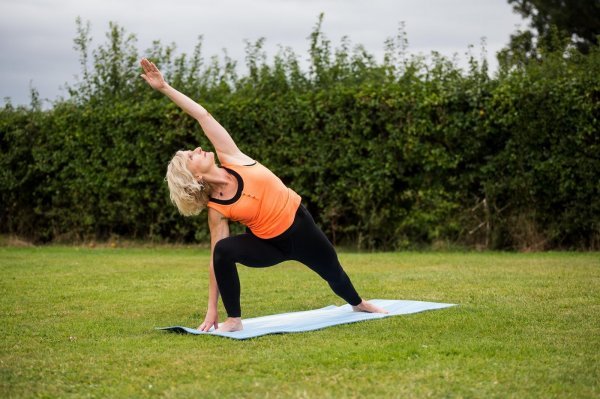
(187, 194)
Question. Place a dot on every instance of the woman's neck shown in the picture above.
(220, 181)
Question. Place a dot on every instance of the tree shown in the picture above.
(575, 20)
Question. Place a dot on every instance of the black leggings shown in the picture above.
(303, 242)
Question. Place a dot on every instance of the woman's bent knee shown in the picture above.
(223, 252)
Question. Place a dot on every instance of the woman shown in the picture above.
(279, 228)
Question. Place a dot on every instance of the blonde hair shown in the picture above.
(187, 194)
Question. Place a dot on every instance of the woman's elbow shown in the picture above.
(201, 115)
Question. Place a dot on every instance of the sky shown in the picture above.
(36, 36)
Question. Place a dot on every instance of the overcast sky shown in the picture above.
(36, 36)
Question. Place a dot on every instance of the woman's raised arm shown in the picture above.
(226, 149)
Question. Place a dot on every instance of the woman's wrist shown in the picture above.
(212, 308)
(164, 88)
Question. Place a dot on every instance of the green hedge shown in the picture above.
(386, 155)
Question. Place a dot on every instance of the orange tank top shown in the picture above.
(262, 202)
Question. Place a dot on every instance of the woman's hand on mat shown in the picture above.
(152, 75)
(211, 319)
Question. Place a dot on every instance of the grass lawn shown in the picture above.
(79, 322)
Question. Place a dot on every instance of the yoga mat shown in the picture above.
(315, 319)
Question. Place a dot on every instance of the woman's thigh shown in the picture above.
(250, 250)
(312, 247)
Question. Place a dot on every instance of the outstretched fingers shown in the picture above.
(206, 326)
(151, 74)
(149, 66)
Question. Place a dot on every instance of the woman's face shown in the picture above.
(199, 162)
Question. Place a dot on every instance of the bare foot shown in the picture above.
(368, 307)
(230, 325)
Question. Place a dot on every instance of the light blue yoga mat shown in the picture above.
(315, 319)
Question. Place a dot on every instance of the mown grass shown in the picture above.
(80, 323)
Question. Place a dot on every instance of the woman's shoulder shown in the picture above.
(215, 214)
